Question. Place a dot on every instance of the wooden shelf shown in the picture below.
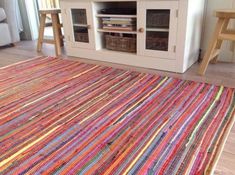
(116, 16)
(116, 31)
(157, 30)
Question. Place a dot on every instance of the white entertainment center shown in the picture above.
(158, 34)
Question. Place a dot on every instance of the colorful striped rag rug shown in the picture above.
(66, 117)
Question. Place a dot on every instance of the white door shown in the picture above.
(79, 16)
(157, 28)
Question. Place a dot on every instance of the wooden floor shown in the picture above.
(219, 74)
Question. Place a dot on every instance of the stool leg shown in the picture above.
(219, 43)
(41, 32)
(212, 46)
(55, 25)
(60, 31)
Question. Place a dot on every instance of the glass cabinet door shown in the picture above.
(80, 25)
(157, 29)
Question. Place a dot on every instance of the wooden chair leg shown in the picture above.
(41, 32)
(55, 25)
(219, 44)
(212, 46)
(60, 31)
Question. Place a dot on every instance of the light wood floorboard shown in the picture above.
(218, 74)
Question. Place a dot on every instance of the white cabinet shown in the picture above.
(145, 33)
(157, 36)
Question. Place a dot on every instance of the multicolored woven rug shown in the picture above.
(67, 117)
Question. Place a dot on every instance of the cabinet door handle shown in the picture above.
(141, 30)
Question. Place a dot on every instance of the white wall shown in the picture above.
(227, 51)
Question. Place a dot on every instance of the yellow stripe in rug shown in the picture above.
(88, 117)
(143, 98)
(82, 73)
(144, 149)
(4, 162)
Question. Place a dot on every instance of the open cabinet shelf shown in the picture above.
(116, 16)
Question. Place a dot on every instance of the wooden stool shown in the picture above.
(221, 33)
(58, 38)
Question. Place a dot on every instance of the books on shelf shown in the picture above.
(122, 24)
(117, 19)
(121, 28)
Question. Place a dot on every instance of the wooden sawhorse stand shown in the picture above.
(58, 37)
(221, 33)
